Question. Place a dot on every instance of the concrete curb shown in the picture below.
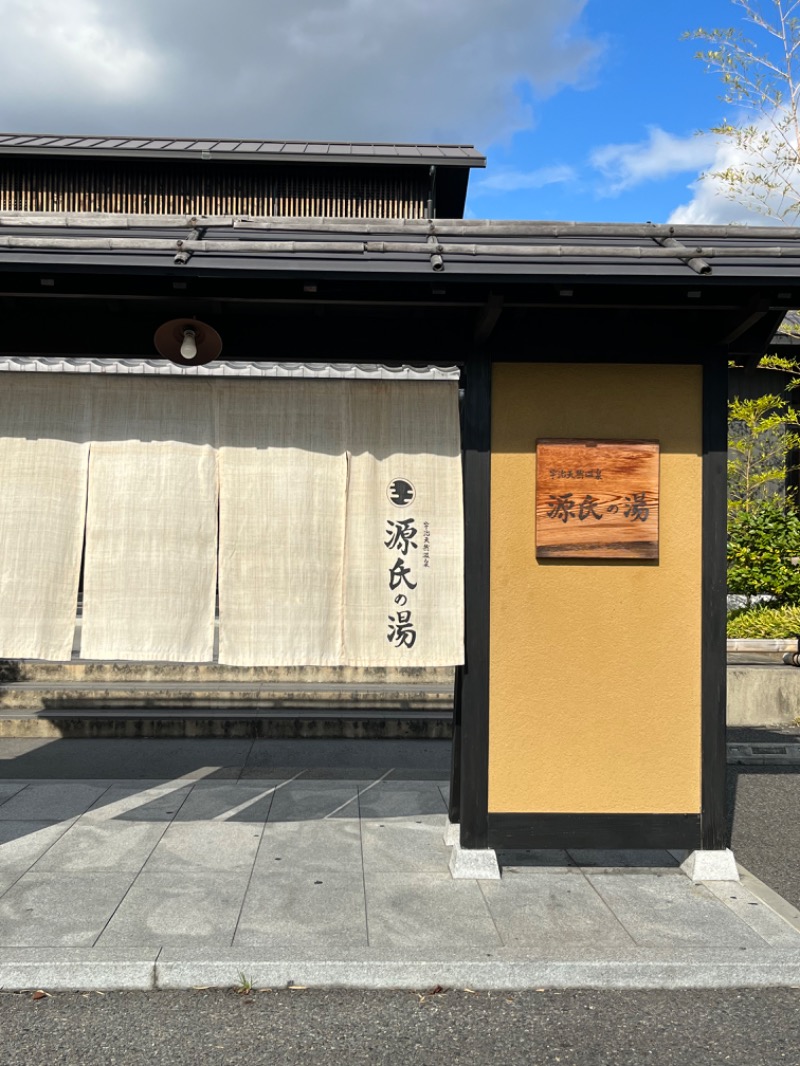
(759, 646)
(764, 754)
(770, 898)
(490, 976)
(148, 975)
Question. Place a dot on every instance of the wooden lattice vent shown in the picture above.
(132, 187)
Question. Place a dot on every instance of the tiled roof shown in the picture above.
(225, 368)
(377, 247)
(464, 155)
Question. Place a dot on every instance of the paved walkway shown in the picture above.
(142, 864)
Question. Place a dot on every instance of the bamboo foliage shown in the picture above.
(759, 72)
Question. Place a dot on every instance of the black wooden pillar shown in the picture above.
(454, 806)
(469, 783)
(713, 825)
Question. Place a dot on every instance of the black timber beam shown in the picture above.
(714, 562)
(471, 766)
(618, 831)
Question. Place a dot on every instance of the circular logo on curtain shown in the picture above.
(401, 492)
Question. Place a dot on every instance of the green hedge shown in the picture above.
(764, 623)
(764, 553)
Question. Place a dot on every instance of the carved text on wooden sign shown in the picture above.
(597, 499)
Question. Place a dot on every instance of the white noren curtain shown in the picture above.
(151, 527)
(44, 434)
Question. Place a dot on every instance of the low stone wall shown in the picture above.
(763, 695)
(759, 651)
(761, 691)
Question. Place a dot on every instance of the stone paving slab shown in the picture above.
(310, 801)
(96, 846)
(50, 800)
(192, 849)
(235, 802)
(540, 911)
(121, 759)
(397, 847)
(308, 877)
(282, 920)
(9, 789)
(48, 909)
(22, 843)
(660, 910)
(153, 802)
(613, 861)
(167, 906)
(756, 913)
(338, 754)
(427, 913)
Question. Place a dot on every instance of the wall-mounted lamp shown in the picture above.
(188, 345)
(187, 342)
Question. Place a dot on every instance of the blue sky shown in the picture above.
(587, 109)
(621, 144)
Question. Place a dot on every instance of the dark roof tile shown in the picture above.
(469, 247)
(46, 144)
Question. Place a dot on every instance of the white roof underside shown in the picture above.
(223, 368)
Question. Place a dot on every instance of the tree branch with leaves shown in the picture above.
(760, 75)
(762, 434)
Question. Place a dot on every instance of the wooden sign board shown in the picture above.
(597, 499)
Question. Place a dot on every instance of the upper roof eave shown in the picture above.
(242, 150)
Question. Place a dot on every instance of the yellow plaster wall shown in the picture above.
(595, 666)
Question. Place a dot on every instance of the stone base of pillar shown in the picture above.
(711, 866)
(452, 833)
(474, 863)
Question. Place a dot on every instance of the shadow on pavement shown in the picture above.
(228, 780)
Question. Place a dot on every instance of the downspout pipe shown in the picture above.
(430, 207)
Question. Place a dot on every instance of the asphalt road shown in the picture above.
(747, 1027)
(764, 816)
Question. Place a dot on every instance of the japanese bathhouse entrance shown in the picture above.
(327, 513)
(594, 536)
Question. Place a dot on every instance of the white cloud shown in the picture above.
(53, 50)
(710, 206)
(515, 180)
(662, 155)
(317, 69)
